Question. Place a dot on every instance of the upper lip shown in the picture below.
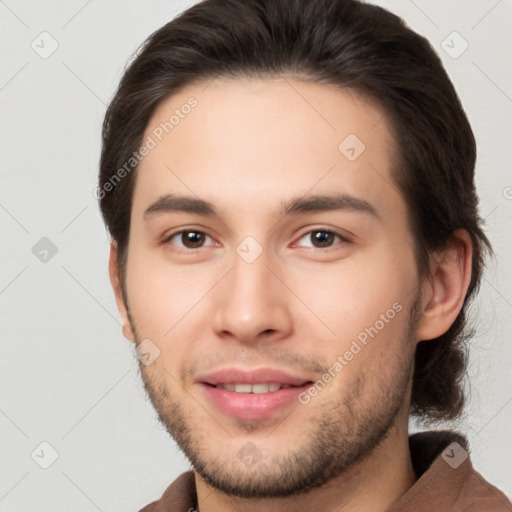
(259, 376)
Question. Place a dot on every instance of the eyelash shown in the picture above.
(342, 238)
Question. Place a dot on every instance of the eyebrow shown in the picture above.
(173, 203)
(296, 206)
(322, 203)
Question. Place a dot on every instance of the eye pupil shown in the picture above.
(322, 238)
(192, 239)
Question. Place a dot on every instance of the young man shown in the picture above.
(289, 189)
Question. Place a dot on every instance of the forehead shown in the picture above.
(266, 138)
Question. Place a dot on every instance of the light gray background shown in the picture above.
(67, 375)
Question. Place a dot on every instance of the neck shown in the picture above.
(375, 483)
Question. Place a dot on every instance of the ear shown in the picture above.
(115, 281)
(445, 290)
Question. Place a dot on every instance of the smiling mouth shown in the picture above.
(255, 388)
(253, 401)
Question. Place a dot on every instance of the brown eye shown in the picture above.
(189, 239)
(192, 239)
(320, 238)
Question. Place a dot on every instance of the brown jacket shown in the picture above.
(446, 481)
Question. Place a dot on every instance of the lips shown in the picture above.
(252, 395)
(260, 376)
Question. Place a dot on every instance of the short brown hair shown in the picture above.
(351, 45)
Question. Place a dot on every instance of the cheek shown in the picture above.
(369, 320)
(359, 305)
(161, 297)
(352, 293)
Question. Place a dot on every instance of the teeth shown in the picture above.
(254, 388)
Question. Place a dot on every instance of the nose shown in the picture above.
(252, 303)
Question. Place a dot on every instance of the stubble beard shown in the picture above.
(339, 435)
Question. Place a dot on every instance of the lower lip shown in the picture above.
(252, 406)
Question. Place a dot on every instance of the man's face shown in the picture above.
(321, 289)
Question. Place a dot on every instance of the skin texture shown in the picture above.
(248, 147)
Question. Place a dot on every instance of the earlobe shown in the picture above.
(445, 290)
(115, 281)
